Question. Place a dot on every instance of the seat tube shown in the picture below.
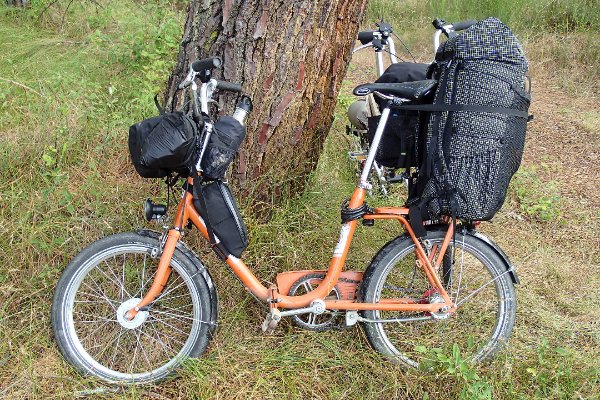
(364, 177)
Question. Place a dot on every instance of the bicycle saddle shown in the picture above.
(413, 91)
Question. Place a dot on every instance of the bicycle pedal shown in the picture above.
(271, 321)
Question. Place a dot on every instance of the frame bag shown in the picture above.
(475, 134)
(161, 145)
(218, 208)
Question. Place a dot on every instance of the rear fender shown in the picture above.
(507, 263)
(490, 243)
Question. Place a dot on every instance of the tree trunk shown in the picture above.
(290, 56)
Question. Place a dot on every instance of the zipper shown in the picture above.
(226, 195)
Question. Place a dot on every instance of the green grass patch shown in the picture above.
(537, 199)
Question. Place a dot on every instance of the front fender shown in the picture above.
(202, 270)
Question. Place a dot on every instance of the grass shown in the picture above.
(560, 36)
(65, 180)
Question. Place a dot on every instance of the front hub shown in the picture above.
(136, 321)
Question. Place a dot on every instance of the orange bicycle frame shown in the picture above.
(187, 212)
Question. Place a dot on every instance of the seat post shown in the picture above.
(364, 177)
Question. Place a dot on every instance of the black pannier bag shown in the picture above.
(475, 135)
(161, 145)
(225, 140)
(397, 146)
(218, 208)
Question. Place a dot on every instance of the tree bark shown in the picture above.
(291, 57)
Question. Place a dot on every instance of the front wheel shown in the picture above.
(101, 284)
(475, 278)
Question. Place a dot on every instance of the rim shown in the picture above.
(104, 344)
(475, 325)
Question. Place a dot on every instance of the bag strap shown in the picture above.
(465, 107)
(161, 109)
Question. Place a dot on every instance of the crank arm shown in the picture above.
(317, 307)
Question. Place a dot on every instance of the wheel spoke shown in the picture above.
(116, 347)
(166, 346)
(143, 351)
(164, 294)
(179, 316)
(156, 337)
(102, 295)
(115, 282)
(147, 348)
(141, 291)
(476, 282)
(169, 325)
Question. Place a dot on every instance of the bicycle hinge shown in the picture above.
(273, 298)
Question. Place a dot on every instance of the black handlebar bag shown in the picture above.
(161, 145)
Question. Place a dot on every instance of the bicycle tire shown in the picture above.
(91, 292)
(481, 325)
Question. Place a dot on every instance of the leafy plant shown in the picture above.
(537, 199)
(552, 373)
(453, 365)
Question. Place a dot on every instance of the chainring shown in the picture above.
(310, 321)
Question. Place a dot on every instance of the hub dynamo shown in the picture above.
(139, 318)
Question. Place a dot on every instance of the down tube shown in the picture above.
(241, 270)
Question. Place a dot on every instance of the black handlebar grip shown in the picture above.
(365, 36)
(438, 23)
(462, 25)
(229, 86)
(206, 64)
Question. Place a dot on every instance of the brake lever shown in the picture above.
(364, 46)
(188, 79)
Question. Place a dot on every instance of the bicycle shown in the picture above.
(132, 307)
(381, 41)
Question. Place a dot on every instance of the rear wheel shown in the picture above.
(101, 284)
(475, 278)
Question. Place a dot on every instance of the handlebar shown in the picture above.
(206, 64)
(229, 86)
(449, 27)
(462, 25)
(383, 33)
(365, 36)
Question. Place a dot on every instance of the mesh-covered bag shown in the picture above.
(475, 136)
